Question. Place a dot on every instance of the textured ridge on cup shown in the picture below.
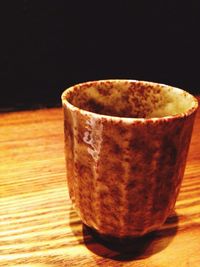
(125, 165)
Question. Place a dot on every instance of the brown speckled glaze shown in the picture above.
(126, 145)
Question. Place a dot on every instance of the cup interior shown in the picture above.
(130, 99)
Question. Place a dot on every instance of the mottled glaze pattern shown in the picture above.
(124, 170)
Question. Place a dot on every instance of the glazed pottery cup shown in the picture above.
(126, 144)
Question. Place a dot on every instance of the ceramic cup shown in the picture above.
(126, 144)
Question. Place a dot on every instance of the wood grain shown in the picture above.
(38, 226)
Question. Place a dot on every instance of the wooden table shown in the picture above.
(38, 226)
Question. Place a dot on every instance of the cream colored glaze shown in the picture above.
(134, 100)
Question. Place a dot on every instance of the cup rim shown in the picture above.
(128, 120)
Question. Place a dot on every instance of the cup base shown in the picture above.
(117, 240)
(134, 246)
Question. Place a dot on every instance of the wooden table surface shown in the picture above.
(38, 226)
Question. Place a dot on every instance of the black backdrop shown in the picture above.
(61, 42)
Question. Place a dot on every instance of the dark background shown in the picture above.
(58, 43)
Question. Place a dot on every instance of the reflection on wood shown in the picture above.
(38, 226)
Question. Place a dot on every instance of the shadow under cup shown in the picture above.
(126, 144)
